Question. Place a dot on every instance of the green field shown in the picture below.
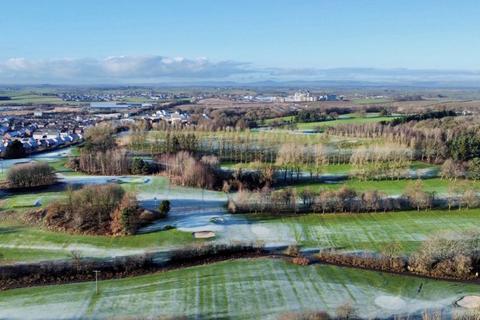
(371, 231)
(390, 187)
(280, 119)
(25, 243)
(23, 201)
(29, 98)
(351, 118)
(370, 101)
(20, 242)
(236, 289)
(354, 119)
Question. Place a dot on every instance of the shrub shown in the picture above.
(104, 209)
(292, 250)
(164, 208)
(99, 138)
(301, 261)
(448, 255)
(30, 175)
(126, 217)
(139, 166)
(345, 311)
(185, 170)
(15, 150)
(314, 315)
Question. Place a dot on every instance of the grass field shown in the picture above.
(236, 289)
(391, 187)
(19, 242)
(370, 101)
(372, 231)
(30, 98)
(24, 243)
(280, 119)
(23, 201)
(351, 118)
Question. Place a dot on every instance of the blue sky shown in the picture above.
(241, 36)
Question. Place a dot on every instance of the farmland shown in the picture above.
(28, 98)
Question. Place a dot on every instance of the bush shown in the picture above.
(448, 255)
(31, 175)
(185, 170)
(100, 138)
(104, 209)
(139, 166)
(301, 261)
(314, 315)
(292, 250)
(345, 311)
(15, 150)
(164, 208)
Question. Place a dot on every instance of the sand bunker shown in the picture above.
(469, 302)
(204, 234)
(390, 302)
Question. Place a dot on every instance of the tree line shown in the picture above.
(432, 140)
(345, 199)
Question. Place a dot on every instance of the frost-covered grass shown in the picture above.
(241, 289)
(24, 243)
(19, 242)
(366, 231)
(59, 167)
(373, 231)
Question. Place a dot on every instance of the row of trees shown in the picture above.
(109, 162)
(423, 116)
(101, 155)
(432, 140)
(290, 154)
(30, 175)
(344, 200)
(453, 170)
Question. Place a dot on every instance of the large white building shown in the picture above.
(301, 96)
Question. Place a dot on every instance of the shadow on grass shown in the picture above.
(9, 230)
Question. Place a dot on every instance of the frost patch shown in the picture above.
(390, 302)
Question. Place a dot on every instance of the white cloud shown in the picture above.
(118, 68)
(151, 69)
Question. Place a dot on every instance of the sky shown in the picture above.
(190, 40)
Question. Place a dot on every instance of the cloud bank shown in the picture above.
(118, 69)
(161, 69)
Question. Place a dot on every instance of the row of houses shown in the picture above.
(32, 145)
(172, 117)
